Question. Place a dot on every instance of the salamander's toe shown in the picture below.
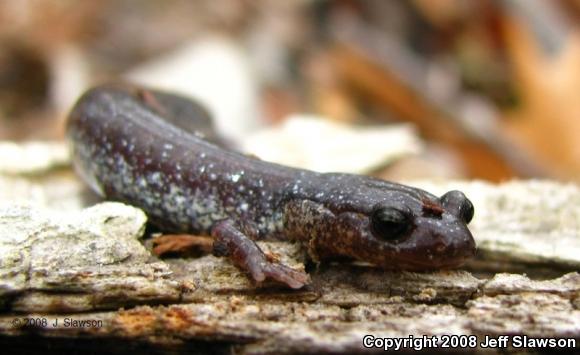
(279, 272)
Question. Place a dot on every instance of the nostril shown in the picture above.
(439, 247)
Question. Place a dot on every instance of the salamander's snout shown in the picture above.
(445, 242)
(440, 232)
(459, 244)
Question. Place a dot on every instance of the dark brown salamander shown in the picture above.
(138, 146)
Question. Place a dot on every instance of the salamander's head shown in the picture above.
(402, 228)
(436, 236)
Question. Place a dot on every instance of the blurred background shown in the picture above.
(400, 89)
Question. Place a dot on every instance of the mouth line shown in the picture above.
(425, 265)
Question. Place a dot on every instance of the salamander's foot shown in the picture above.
(281, 273)
(247, 255)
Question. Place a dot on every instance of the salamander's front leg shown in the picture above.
(246, 254)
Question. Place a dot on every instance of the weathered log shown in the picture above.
(85, 280)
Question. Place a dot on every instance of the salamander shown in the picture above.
(159, 152)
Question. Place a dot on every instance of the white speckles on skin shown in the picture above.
(155, 178)
(202, 155)
(243, 207)
(235, 177)
(217, 216)
(142, 182)
(179, 200)
(229, 209)
(168, 146)
(272, 224)
(203, 222)
(213, 177)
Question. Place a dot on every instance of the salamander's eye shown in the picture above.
(467, 211)
(459, 205)
(390, 223)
